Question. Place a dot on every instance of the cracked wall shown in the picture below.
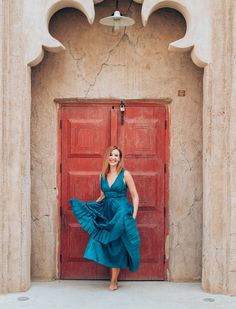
(136, 64)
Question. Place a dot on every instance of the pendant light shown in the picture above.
(116, 20)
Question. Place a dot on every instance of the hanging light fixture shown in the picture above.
(116, 20)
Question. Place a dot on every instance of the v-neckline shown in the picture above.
(113, 181)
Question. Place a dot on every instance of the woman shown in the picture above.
(110, 220)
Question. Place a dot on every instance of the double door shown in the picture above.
(87, 130)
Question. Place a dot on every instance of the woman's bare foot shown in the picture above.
(113, 286)
(114, 279)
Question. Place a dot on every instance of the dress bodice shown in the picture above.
(118, 187)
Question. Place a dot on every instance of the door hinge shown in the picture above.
(60, 167)
(164, 212)
(165, 124)
(164, 258)
(165, 168)
(60, 258)
(60, 124)
(61, 211)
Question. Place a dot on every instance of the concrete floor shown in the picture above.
(71, 294)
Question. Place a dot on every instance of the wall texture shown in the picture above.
(219, 246)
(136, 64)
(15, 104)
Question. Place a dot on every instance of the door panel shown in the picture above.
(87, 130)
(142, 137)
(83, 147)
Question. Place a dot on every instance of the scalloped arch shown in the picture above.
(37, 25)
(197, 37)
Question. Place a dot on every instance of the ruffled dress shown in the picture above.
(114, 239)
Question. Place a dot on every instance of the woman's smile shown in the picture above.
(113, 161)
(114, 157)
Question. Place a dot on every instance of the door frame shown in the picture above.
(62, 103)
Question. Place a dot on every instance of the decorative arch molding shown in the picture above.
(37, 36)
(197, 16)
(198, 34)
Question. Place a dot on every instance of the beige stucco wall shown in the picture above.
(136, 64)
(219, 232)
(15, 225)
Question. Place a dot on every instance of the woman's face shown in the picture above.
(114, 157)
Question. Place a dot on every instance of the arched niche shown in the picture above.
(142, 88)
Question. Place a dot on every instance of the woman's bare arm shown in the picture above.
(101, 197)
(134, 194)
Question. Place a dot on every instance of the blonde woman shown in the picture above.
(111, 220)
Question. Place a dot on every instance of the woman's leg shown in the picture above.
(114, 278)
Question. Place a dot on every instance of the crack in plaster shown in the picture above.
(104, 63)
(43, 181)
(176, 240)
(188, 161)
(177, 245)
(72, 55)
(196, 199)
(192, 206)
(77, 60)
(183, 153)
(35, 219)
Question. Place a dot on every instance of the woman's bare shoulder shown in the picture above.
(127, 173)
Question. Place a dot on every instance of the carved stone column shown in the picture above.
(219, 119)
(15, 238)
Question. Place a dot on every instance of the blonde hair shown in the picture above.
(106, 166)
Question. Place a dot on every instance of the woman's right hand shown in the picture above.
(101, 197)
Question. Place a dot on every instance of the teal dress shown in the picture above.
(114, 239)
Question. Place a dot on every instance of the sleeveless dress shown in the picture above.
(114, 239)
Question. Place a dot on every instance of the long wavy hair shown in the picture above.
(106, 165)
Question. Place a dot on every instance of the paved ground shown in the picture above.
(71, 294)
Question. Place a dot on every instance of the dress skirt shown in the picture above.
(114, 238)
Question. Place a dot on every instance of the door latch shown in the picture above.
(122, 111)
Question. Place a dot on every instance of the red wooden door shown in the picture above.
(87, 130)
